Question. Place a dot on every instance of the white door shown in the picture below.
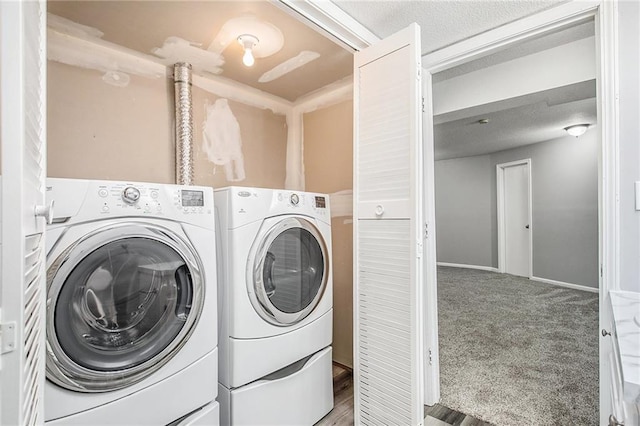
(22, 139)
(388, 233)
(516, 217)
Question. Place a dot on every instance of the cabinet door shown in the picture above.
(388, 232)
(22, 140)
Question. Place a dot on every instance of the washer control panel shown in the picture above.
(131, 195)
(79, 200)
(140, 198)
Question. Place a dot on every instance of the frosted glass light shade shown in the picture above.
(577, 130)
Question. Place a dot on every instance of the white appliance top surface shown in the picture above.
(626, 314)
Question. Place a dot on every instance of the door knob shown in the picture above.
(45, 211)
(614, 422)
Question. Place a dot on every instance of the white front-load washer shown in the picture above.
(131, 302)
(275, 306)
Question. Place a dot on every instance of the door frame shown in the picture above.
(605, 13)
(502, 231)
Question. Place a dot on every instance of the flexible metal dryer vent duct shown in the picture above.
(184, 123)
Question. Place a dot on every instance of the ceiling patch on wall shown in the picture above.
(176, 49)
(289, 65)
(221, 139)
(81, 46)
(270, 36)
(116, 78)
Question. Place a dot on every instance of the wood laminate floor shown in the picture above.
(342, 413)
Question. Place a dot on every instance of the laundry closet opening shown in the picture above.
(264, 86)
(516, 204)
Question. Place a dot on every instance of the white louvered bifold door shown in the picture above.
(388, 233)
(23, 143)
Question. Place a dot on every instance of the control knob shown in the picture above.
(130, 195)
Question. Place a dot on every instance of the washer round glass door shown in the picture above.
(120, 303)
(290, 271)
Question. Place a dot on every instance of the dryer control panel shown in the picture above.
(245, 205)
(306, 202)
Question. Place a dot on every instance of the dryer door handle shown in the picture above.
(269, 286)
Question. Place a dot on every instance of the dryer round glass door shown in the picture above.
(290, 271)
(121, 302)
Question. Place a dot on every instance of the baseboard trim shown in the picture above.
(460, 265)
(567, 285)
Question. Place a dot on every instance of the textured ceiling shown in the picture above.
(145, 25)
(528, 47)
(515, 122)
(442, 23)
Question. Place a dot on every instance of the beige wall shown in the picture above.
(98, 131)
(328, 162)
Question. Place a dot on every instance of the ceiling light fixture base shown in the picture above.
(248, 42)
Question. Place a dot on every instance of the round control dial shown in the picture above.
(294, 199)
(130, 195)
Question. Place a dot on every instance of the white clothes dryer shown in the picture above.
(275, 305)
(131, 302)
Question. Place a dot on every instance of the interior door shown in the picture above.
(516, 219)
(22, 138)
(388, 234)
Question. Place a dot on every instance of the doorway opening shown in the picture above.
(502, 331)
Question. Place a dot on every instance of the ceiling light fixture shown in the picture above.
(577, 129)
(248, 42)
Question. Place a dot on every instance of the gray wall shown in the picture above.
(629, 54)
(565, 208)
(463, 211)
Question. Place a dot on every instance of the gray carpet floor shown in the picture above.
(515, 351)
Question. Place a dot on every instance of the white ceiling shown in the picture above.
(442, 22)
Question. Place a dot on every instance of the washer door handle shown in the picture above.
(269, 262)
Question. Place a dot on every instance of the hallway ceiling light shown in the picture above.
(248, 42)
(577, 129)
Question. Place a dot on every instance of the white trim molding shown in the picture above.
(331, 20)
(502, 235)
(460, 265)
(567, 285)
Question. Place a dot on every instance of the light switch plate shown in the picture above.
(637, 196)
